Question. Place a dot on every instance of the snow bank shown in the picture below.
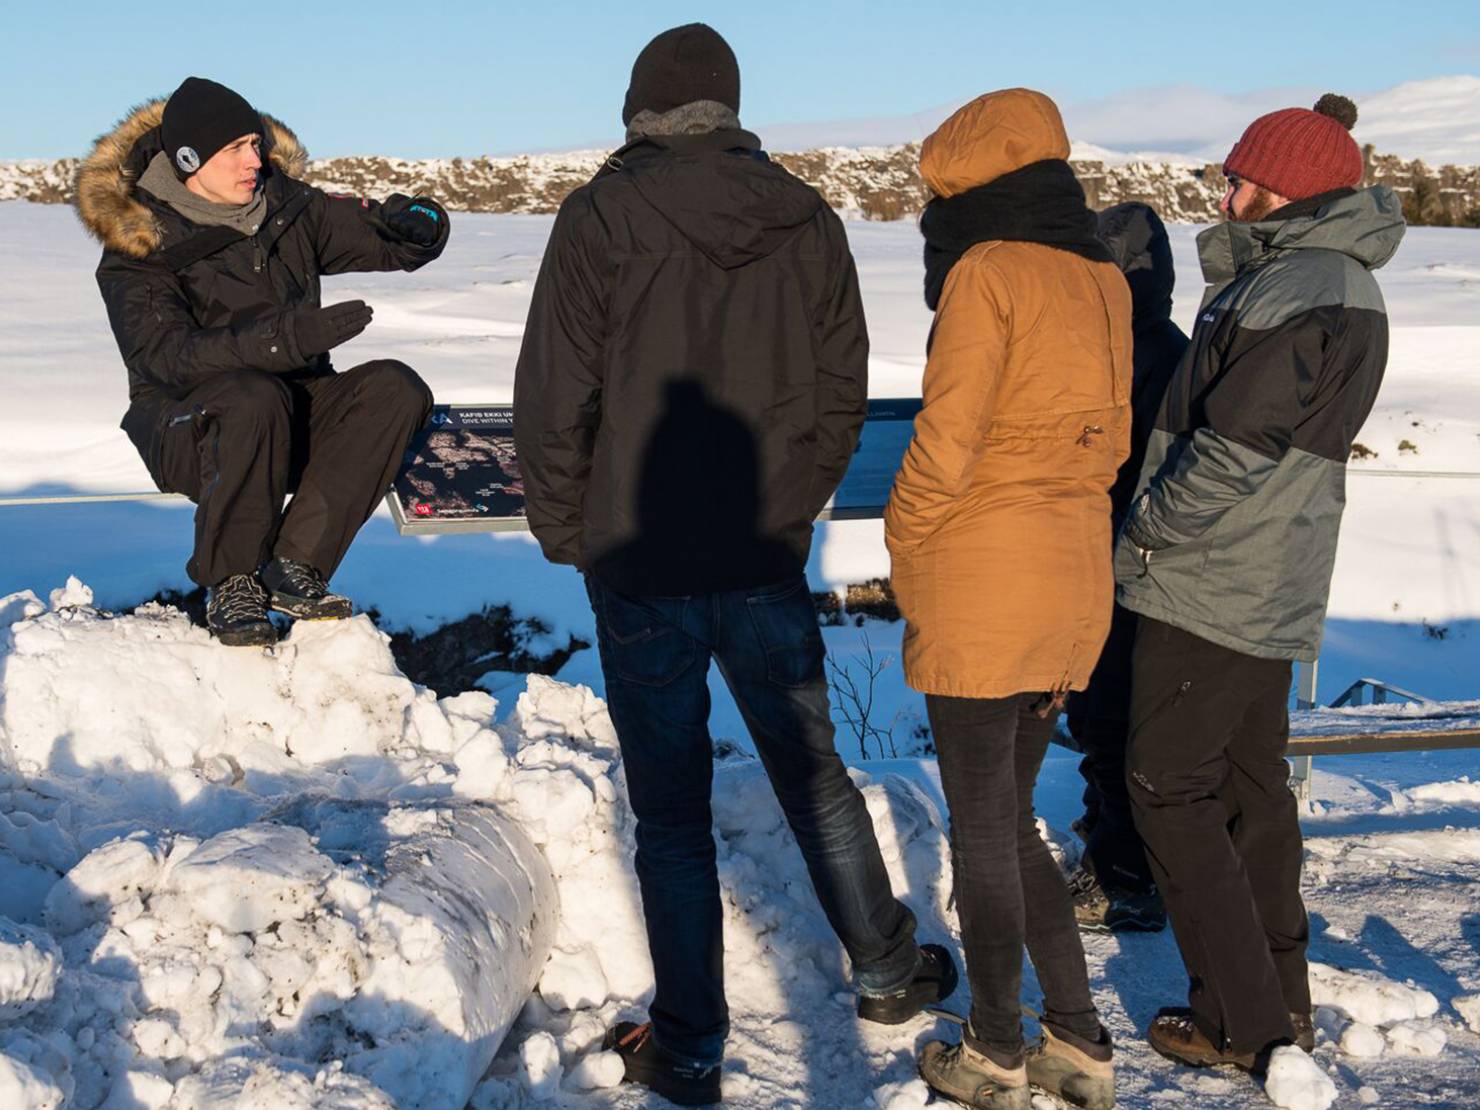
(29, 964)
(251, 864)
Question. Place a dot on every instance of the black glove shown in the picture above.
(418, 220)
(321, 329)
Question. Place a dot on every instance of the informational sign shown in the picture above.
(461, 475)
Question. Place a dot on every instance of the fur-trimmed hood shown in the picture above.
(107, 199)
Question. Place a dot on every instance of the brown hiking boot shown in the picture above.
(960, 1072)
(1305, 1032)
(1068, 1072)
(1176, 1036)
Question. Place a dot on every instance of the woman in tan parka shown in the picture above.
(999, 530)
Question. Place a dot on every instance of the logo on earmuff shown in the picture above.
(187, 159)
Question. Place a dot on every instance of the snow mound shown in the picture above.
(1461, 792)
(1368, 997)
(29, 964)
(1468, 1007)
(1296, 1082)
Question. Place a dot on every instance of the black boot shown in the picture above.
(646, 1063)
(1101, 909)
(300, 591)
(236, 612)
(934, 981)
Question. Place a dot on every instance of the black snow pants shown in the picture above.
(1209, 787)
(241, 441)
(1099, 719)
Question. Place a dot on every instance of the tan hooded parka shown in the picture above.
(999, 521)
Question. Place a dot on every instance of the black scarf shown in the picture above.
(1040, 203)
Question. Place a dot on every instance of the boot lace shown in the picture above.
(301, 580)
(239, 598)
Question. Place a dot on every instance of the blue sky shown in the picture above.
(463, 77)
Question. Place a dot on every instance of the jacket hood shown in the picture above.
(721, 192)
(106, 194)
(1138, 240)
(1366, 225)
(996, 133)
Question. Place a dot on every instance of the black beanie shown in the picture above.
(688, 63)
(200, 118)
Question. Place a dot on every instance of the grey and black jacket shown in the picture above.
(1233, 534)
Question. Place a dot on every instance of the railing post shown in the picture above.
(1305, 698)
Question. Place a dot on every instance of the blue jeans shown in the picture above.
(655, 654)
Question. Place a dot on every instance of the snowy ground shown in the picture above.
(191, 747)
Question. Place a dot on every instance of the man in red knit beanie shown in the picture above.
(1226, 555)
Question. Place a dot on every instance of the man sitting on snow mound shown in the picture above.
(212, 256)
(689, 393)
(1227, 555)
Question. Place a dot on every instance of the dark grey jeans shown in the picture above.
(1009, 890)
(655, 654)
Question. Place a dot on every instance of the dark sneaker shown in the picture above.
(1176, 1036)
(236, 612)
(1305, 1032)
(959, 1072)
(1068, 1072)
(646, 1063)
(1107, 910)
(300, 591)
(934, 981)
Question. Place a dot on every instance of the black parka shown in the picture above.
(694, 371)
(186, 301)
(1138, 240)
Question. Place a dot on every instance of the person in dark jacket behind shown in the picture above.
(1226, 555)
(212, 254)
(690, 390)
(1114, 890)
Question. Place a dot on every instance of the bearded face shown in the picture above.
(1246, 203)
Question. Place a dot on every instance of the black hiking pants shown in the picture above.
(1009, 890)
(1099, 719)
(240, 442)
(1209, 787)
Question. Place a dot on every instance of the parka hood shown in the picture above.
(996, 133)
(1366, 225)
(106, 194)
(721, 192)
(1138, 240)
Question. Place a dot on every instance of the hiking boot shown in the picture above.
(1305, 1032)
(1176, 1036)
(645, 1062)
(1101, 909)
(935, 980)
(1068, 1072)
(300, 591)
(236, 612)
(958, 1071)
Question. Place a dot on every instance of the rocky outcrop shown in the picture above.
(876, 183)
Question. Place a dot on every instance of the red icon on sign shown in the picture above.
(423, 509)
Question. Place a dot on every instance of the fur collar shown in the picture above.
(107, 199)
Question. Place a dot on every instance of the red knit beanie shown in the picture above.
(1300, 152)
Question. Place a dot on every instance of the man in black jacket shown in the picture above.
(212, 257)
(1114, 889)
(690, 391)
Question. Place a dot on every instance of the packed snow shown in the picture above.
(293, 878)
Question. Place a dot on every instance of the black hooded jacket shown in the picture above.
(694, 370)
(187, 301)
(1138, 240)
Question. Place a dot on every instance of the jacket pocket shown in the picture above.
(786, 627)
